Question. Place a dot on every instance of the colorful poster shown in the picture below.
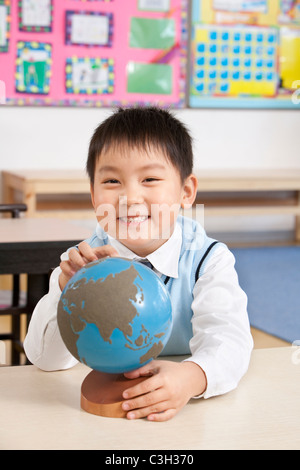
(94, 53)
(89, 76)
(245, 54)
(35, 15)
(89, 28)
(33, 66)
(4, 25)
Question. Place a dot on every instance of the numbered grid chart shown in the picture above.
(234, 61)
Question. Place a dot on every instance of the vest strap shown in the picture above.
(203, 259)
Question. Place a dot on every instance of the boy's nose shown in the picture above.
(131, 196)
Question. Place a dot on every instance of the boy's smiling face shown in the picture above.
(137, 196)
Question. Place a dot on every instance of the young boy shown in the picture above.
(140, 165)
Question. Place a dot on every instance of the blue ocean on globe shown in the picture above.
(115, 315)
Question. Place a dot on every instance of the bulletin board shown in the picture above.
(245, 54)
(94, 53)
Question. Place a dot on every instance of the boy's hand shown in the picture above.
(167, 390)
(80, 257)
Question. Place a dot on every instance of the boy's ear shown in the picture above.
(190, 187)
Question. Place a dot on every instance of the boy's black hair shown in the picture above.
(145, 128)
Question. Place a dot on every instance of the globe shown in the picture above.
(115, 315)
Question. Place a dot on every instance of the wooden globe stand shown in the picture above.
(101, 393)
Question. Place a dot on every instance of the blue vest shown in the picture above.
(196, 249)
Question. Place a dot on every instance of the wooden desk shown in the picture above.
(41, 410)
(28, 185)
(247, 183)
(33, 247)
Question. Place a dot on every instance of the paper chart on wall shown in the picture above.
(245, 54)
(94, 53)
(33, 67)
(4, 25)
(258, 6)
(154, 5)
(89, 28)
(34, 13)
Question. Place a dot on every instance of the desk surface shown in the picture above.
(26, 230)
(36, 176)
(35, 245)
(248, 180)
(41, 410)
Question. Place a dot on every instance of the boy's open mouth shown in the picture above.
(137, 219)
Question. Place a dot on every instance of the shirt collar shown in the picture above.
(165, 259)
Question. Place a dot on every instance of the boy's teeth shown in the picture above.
(134, 219)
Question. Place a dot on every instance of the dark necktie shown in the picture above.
(146, 263)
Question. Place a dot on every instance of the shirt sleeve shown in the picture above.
(222, 343)
(43, 344)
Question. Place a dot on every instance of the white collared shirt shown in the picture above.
(160, 259)
(221, 344)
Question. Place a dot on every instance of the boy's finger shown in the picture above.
(87, 252)
(142, 406)
(67, 270)
(76, 259)
(145, 371)
(163, 416)
(148, 385)
(106, 250)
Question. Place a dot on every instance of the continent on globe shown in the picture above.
(103, 319)
(111, 301)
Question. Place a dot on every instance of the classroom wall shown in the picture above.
(44, 137)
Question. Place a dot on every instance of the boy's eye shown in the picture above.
(150, 180)
(111, 181)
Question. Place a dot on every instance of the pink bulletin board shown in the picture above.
(93, 53)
